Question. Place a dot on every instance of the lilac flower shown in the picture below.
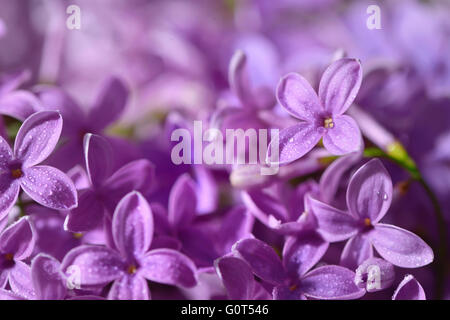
(129, 263)
(46, 185)
(16, 244)
(292, 278)
(369, 195)
(238, 279)
(409, 289)
(321, 116)
(106, 188)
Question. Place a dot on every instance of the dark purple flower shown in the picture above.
(291, 278)
(409, 289)
(369, 195)
(321, 115)
(130, 263)
(106, 188)
(46, 185)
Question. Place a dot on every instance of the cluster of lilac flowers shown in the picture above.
(93, 207)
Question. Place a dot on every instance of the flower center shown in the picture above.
(9, 257)
(293, 287)
(328, 123)
(16, 173)
(77, 235)
(367, 222)
(132, 269)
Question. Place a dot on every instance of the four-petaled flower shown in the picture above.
(46, 185)
(128, 262)
(369, 195)
(322, 115)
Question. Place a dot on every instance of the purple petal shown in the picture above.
(409, 289)
(38, 137)
(263, 260)
(302, 252)
(129, 288)
(356, 251)
(110, 103)
(369, 192)
(49, 187)
(339, 85)
(137, 175)
(132, 226)
(98, 156)
(19, 104)
(263, 206)
(9, 295)
(375, 274)
(18, 239)
(333, 224)
(401, 247)
(9, 191)
(297, 96)
(236, 225)
(237, 278)
(47, 279)
(238, 77)
(344, 137)
(182, 202)
(20, 280)
(294, 142)
(95, 265)
(331, 283)
(169, 267)
(6, 154)
(288, 293)
(88, 215)
(198, 245)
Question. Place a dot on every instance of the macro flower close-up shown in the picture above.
(224, 150)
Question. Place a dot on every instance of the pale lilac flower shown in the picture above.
(16, 245)
(409, 289)
(322, 115)
(20, 169)
(129, 263)
(106, 188)
(369, 195)
(291, 278)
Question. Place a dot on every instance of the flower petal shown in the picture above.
(238, 77)
(19, 104)
(369, 192)
(129, 288)
(302, 252)
(198, 244)
(132, 226)
(401, 247)
(20, 280)
(293, 143)
(344, 137)
(9, 191)
(236, 225)
(169, 267)
(98, 156)
(47, 279)
(237, 277)
(18, 239)
(356, 251)
(340, 84)
(94, 265)
(88, 215)
(37, 137)
(375, 274)
(6, 154)
(50, 187)
(333, 224)
(182, 202)
(263, 205)
(331, 283)
(110, 103)
(9, 295)
(409, 289)
(262, 259)
(297, 96)
(285, 293)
